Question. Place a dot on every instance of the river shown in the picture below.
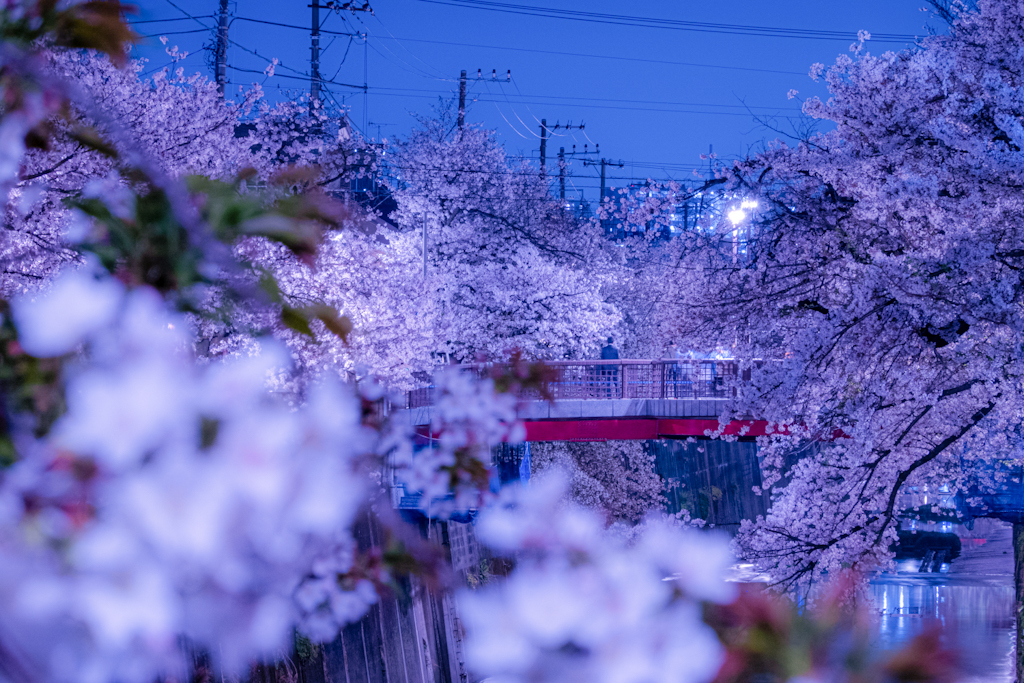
(971, 602)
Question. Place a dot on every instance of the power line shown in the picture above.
(599, 106)
(532, 173)
(297, 78)
(295, 26)
(674, 24)
(187, 15)
(160, 21)
(537, 51)
(409, 67)
(279, 65)
(175, 33)
(596, 56)
(573, 98)
(392, 36)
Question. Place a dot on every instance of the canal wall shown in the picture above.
(713, 480)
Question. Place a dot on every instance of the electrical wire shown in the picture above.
(596, 56)
(295, 26)
(549, 132)
(614, 107)
(537, 51)
(512, 107)
(416, 71)
(402, 45)
(268, 60)
(298, 78)
(674, 24)
(189, 16)
(343, 57)
(159, 21)
(175, 33)
(514, 129)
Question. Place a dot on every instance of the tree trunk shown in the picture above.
(1018, 584)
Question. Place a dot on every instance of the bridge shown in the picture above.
(621, 400)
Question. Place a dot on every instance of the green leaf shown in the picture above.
(340, 325)
(296, 319)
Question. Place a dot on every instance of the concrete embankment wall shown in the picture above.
(711, 479)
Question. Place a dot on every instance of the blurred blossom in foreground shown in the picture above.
(76, 305)
(172, 500)
(583, 605)
(469, 417)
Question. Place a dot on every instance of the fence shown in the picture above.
(625, 379)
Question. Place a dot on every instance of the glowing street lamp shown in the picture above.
(736, 216)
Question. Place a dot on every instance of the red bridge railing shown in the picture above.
(624, 379)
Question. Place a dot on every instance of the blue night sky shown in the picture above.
(654, 97)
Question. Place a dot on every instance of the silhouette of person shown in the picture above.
(609, 376)
(609, 352)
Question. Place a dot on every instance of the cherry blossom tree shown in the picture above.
(613, 478)
(877, 301)
(187, 128)
(156, 498)
(511, 269)
(179, 120)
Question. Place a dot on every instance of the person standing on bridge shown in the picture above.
(609, 375)
(609, 352)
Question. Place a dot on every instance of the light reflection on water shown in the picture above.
(974, 613)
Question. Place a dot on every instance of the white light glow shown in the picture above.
(736, 216)
(749, 204)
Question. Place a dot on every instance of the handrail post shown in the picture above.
(622, 371)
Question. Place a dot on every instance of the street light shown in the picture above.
(736, 216)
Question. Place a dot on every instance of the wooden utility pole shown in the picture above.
(462, 100)
(222, 48)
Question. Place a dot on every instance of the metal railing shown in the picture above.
(624, 379)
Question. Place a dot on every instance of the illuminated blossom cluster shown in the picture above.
(509, 268)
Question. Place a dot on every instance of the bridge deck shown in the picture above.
(622, 400)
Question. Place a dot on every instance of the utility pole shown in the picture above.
(543, 144)
(544, 136)
(604, 163)
(462, 89)
(561, 160)
(462, 100)
(314, 49)
(222, 48)
(561, 173)
(366, 76)
(314, 60)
